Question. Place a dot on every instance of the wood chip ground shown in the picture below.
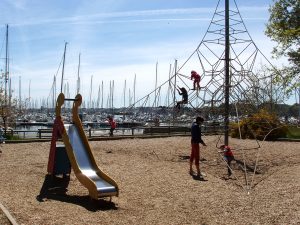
(155, 186)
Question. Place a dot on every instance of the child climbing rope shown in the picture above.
(196, 77)
(228, 157)
(182, 91)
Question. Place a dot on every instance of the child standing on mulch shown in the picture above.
(228, 157)
(196, 139)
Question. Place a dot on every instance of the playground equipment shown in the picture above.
(79, 154)
(233, 72)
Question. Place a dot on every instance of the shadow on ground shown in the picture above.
(55, 188)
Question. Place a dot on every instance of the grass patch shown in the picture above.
(11, 137)
(293, 132)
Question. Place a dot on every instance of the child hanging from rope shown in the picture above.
(196, 77)
(228, 157)
(182, 91)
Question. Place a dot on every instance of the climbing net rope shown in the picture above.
(251, 73)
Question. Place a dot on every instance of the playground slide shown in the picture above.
(81, 157)
(88, 171)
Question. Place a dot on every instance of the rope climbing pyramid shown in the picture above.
(251, 76)
(251, 73)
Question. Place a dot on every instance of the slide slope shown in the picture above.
(82, 160)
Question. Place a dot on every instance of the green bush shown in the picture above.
(11, 137)
(262, 125)
(293, 132)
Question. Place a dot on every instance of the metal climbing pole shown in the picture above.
(227, 75)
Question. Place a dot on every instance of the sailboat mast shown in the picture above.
(20, 96)
(98, 98)
(102, 95)
(91, 90)
(112, 96)
(124, 93)
(129, 97)
(68, 93)
(109, 94)
(63, 68)
(29, 99)
(155, 104)
(134, 85)
(54, 92)
(78, 77)
(6, 65)
(6, 80)
(168, 94)
(9, 93)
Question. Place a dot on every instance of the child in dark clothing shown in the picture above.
(228, 157)
(196, 139)
(182, 91)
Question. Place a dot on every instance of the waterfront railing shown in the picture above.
(46, 133)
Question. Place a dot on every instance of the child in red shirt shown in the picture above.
(112, 124)
(228, 157)
(196, 77)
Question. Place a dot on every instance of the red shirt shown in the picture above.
(112, 123)
(227, 151)
(195, 76)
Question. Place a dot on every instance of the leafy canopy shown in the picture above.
(283, 27)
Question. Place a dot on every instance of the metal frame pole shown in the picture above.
(227, 75)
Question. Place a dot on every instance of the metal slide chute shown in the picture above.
(81, 157)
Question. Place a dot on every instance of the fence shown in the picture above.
(104, 132)
(90, 133)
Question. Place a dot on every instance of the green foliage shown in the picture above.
(262, 125)
(293, 132)
(284, 28)
(11, 137)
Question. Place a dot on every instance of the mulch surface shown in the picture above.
(155, 186)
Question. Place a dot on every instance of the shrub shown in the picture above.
(259, 125)
(11, 137)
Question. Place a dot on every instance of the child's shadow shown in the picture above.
(56, 188)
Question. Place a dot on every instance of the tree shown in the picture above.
(9, 110)
(284, 28)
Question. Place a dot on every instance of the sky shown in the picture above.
(116, 39)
